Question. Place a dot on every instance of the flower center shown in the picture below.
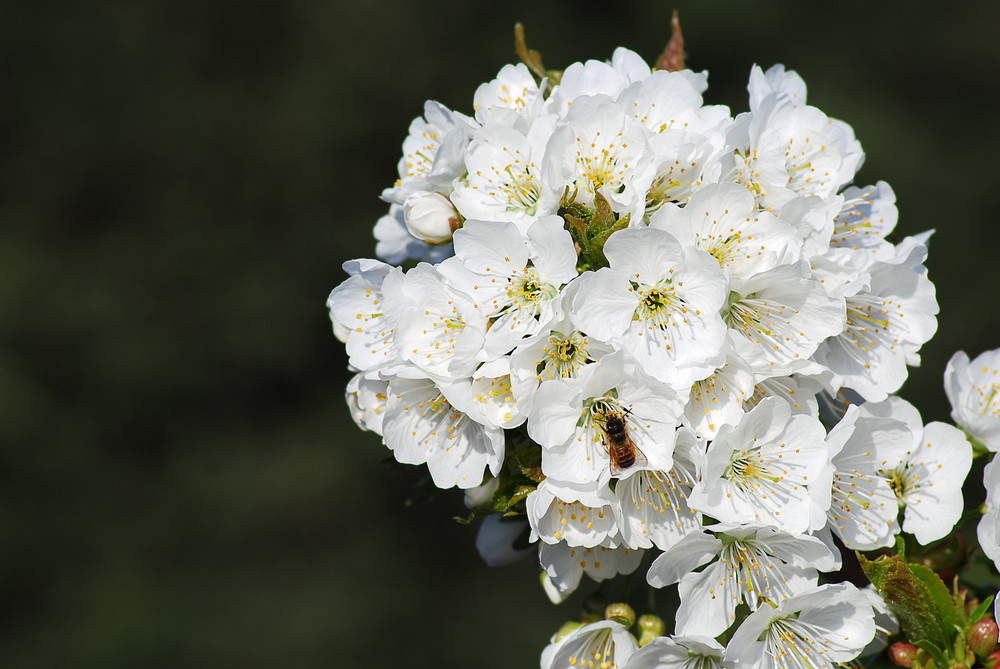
(657, 303)
(748, 469)
(564, 354)
(528, 292)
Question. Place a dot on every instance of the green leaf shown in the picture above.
(913, 602)
(981, 610)
(944, 604)
(597, 241)
(603, 216)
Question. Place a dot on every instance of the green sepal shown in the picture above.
(515, 484)
(520, 492)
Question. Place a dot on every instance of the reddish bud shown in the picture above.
(902, 653)
(993, 660)
(672, 58)
(982, 637)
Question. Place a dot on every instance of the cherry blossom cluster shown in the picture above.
(688, 327)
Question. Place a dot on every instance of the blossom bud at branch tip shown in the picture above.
(982, 637)
(431, 217)
(620, 612)
(650, 627)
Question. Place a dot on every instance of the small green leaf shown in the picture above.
(981, 610)
(597, 241)
(603, 216)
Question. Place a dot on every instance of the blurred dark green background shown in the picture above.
(180, 482)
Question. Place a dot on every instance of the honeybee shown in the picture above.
(619, 445)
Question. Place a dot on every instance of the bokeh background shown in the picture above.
(180, 484)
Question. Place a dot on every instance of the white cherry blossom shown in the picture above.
(577, 515)
(605, 644)
(779, 318)
(926, 473)
(366, 399)
(595, 77)
(653, 504)
(721, 220)
(438, 329)
(867, 216)
(783, 150)
(887, 323)
(973, 390)
(818, 629)
(432, 153)
(569, 417)
(557, 352)
(680, 652)
(421, 426)
(358, 305)
(504, 181)
(563, 566)
(988, 530)
(864, 509)
(600, 148)
(745, 563)
(719, 399)
(514, 281)
(514, 89)
(658, 300)
(777, 80)
(762, 470)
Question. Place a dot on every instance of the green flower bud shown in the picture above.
(650, 627)
(620, 612)
(568, 628)
(982, 637)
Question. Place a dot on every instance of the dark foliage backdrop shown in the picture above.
(180, 181)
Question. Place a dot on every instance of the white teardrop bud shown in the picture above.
(431, 217)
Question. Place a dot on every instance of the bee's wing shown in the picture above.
(639, 461)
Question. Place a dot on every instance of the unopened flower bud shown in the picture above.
(650, 627)
(431, 217)
(902, 653)
(993, 659)
(567, 628)
(982, 637)
(620, 612)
